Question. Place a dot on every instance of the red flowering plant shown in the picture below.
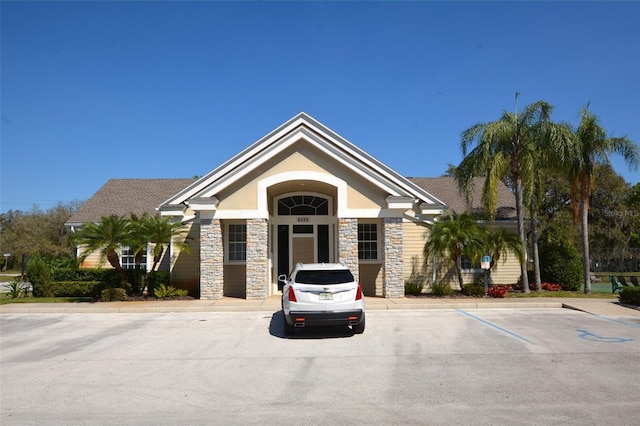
(551, 287)
(497, 291)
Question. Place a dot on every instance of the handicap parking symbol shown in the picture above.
(584, 334)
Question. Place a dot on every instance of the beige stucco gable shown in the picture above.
(301, 145)
(302, 168)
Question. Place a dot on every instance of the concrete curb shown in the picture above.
(604, 307)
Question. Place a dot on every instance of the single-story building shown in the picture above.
(302, 193)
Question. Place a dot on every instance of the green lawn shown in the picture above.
(599, 287)
(4, 300)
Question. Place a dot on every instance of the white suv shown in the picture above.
(321, 294)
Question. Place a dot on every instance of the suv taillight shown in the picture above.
(359, 293)
(292, 295)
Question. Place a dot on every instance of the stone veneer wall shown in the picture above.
(257, 259)
(393, 263)
(348, 244)
(211, 259)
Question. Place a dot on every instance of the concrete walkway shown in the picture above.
(604, 307)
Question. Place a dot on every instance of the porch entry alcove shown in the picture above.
(304, 226)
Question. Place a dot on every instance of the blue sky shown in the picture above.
(99, 90)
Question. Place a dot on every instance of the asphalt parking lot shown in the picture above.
(444, 366)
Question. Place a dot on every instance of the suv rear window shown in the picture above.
(338, 276)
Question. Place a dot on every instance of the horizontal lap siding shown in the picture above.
(506, 273)
(414, 239)
(185, 268)
(92, 260)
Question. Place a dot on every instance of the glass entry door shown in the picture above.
(302, 244)
(303, 223)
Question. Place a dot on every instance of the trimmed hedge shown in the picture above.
(630, 296)
(113, 295)
(111, 279)
(71, 282)
(108, 276)
(76, 288)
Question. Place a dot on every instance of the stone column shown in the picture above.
(393, 262)
(211, 259)
(348, 244)
(257, 259)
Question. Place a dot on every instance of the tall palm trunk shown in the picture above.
(156, 257)
(523, 237)
(459, 270)
(584, 225)
(114, 260)
(534, 248)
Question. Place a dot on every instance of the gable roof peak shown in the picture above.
(317, 134)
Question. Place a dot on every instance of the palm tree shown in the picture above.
(137, 242)
(593, 149)
(508, 150)
(499, 243)
(452, 237)
(105, 236)
(161, 232)
(535, 202)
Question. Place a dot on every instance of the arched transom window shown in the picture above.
(303, 205)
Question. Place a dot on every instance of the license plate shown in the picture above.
(326, 296)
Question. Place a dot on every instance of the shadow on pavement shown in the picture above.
(276, 329)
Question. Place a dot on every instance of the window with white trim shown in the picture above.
(367, 241)
(128, 258)
(237, 242)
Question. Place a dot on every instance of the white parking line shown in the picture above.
(497, 327)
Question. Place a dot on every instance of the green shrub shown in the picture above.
(156, 278)
(76, 288)
(560, 263)
(413, 286)
(169, 292)
(113, 294)
(135, 279)
(97, 274)
(441, 289)
(39, 275)
(65, 274)
(475, 290)
(63, 260)
(630, 296)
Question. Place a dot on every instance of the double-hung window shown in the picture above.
(367, 241)
(237, 242)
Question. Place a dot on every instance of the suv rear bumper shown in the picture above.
(320, 318)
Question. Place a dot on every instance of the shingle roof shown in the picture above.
(126, 196)
(138, 196)
(446, 189)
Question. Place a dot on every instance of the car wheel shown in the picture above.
(359, 329)
(289, 330)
